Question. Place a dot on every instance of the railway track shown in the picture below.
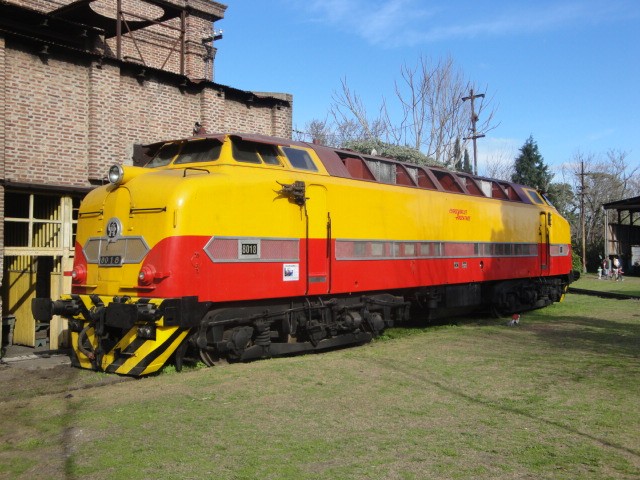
(598, 293)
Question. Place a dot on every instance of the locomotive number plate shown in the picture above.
(110, 260)
(248, 248)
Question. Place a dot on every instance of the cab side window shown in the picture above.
(250, 152)
(533, 195)
(245, 152)
(268, 153)
(299, 159)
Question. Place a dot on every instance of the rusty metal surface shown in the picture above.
(34, 25)
(81, 12)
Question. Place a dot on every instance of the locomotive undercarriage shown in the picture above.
(136, 337)
(498, 298)
(514, 296)
(249, 333)
(120, 335)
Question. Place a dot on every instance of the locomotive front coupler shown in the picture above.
(44, 309)
(122, 314)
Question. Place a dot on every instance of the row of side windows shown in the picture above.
(374, 169)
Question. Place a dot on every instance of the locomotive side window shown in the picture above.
(268, 153)
(384, 171)
(250, 152)
(535, 197)
(471, 185)
(498, 192)
(245, 152)
(447, 181)
(299, 159)
(356, 166)
(164, 155)
(511, 193)
(199, 151)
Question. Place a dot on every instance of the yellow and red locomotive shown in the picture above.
(245, 246)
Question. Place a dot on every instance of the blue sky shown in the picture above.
(565, 71)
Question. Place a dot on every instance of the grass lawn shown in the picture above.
(590, 281)
(556, 397)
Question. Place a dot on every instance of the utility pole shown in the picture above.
(606, 233)
(582, 225)
(474, 134)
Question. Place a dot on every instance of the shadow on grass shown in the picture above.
(607, 338)
(35, 429)
(410, 372)
(593, 335)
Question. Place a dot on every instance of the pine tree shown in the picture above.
(466, 165)
(529, 167)
(457, 156)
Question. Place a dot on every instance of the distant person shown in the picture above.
(605, 268)
(616, 268)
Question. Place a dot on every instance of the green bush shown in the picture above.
(576, 260)
(396, 152)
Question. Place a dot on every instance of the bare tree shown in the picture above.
(352, 121)
(315, 130)
(432, 115)
(498, 165)
(606, 179)
(616, 162)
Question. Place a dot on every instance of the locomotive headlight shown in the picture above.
(147, 274)
(116, 174)
(79, 274)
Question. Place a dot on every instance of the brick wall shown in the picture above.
(67, 120)
(3, 103)
(45, 127)
(67, 117)
(2, 155)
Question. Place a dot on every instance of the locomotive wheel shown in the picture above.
(210, 358)
(207, 358)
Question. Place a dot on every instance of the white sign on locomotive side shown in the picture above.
(291, 272)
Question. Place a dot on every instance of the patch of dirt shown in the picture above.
(20, 383)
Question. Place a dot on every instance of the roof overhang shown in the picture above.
(630, 204)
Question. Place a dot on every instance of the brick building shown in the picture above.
(81, 84)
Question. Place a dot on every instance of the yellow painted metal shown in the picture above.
(84, 361)
(21, 277)
(165, 340)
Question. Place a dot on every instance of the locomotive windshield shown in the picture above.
(194, 151)
(164, 155)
